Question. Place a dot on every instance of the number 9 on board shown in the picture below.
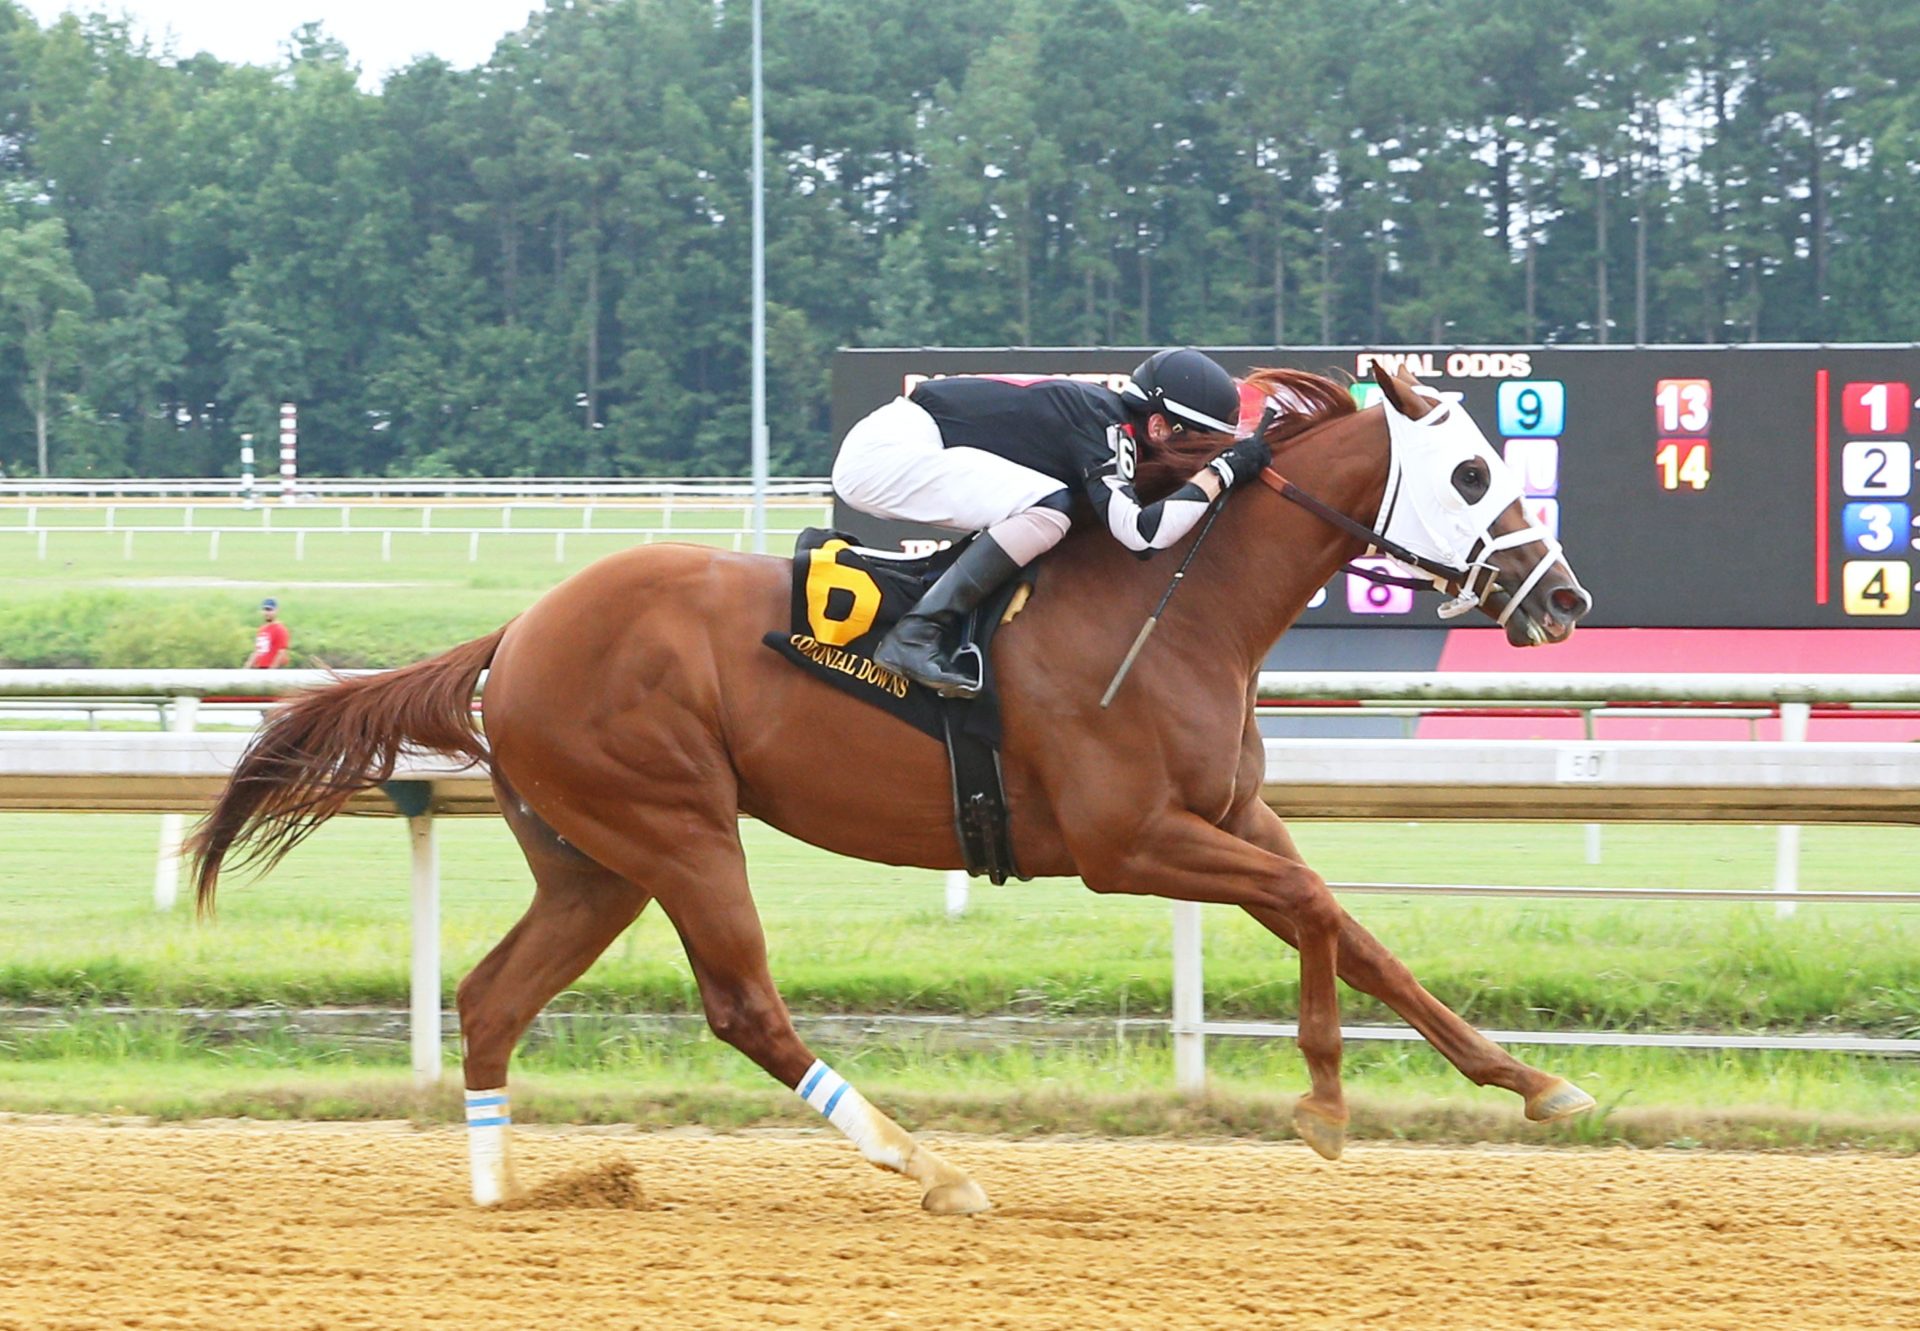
(1533, 408)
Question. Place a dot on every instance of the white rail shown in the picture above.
(1577, 689)
(1380, 687)
(641, 513)
(421, 487)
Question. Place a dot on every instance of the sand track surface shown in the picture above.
(316, 1226)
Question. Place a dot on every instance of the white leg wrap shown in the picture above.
(488, 1122)
(879, 1138)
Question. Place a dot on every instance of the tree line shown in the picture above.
(540, 266)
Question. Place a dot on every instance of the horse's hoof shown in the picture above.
(1326, 1135)
(962, 1197)
(1560, 1100)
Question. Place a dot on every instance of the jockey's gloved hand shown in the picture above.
(1243, 461)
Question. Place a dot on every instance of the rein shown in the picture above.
(1326, 512)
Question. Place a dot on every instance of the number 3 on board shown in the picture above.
(1687, 462)
(861, 599)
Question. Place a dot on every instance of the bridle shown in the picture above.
(1469, 585)
(1474, 582)
(1286, 489)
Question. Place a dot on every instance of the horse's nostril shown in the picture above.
(1569, 602)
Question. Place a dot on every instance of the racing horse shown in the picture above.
(631, 715)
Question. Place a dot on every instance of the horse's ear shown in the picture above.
(1397, 387)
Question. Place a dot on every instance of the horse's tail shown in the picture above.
(317, 751)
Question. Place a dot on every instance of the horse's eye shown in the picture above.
(1470, 479)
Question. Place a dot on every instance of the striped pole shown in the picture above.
(289, 446)
(246, 471)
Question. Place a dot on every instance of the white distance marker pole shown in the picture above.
(289, 450)
(173, 826)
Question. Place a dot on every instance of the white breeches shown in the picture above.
(893, 464)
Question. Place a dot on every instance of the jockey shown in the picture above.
(1006, 457)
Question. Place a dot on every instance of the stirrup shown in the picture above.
(969, 661)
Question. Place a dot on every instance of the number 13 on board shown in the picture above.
(1683, 464)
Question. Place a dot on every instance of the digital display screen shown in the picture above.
(1693, 487)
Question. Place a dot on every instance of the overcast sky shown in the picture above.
(382, 35)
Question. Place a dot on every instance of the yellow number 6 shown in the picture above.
(824, 574)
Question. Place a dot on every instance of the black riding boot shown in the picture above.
(916, 646)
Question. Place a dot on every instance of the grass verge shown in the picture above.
(1747, 1100)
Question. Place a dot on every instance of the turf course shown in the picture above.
(329, 928)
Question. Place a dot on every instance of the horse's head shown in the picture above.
(1454, 501)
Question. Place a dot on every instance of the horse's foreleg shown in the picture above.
(578, 908)
(701, 883)
(1369, 967)
(1183, 857)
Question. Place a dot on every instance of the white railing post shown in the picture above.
(1189, 1003)
(425, 983)
(1593, 829)
(173, 826)
(956, 893)
(1794, 717)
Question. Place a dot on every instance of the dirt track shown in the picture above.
(358, 1227)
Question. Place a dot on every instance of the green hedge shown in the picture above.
(105, 629)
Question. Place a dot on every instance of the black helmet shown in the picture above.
(1189, 387)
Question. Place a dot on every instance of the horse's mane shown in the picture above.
(1310, 399)
(1315, 399)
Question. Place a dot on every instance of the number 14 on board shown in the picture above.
(1683, 464)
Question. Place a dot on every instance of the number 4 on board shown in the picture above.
(1876, 586)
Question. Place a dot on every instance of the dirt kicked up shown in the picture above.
(312, 1226)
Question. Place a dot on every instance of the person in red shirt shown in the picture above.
(270, 643)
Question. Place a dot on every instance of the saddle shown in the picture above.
(845, 598)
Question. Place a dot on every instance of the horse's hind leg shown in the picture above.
(699, 877)
(1369, 967)
(1183, 857)
(578, 908)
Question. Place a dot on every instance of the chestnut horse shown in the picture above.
(632, 715)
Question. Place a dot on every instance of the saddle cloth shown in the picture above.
(845, 598)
